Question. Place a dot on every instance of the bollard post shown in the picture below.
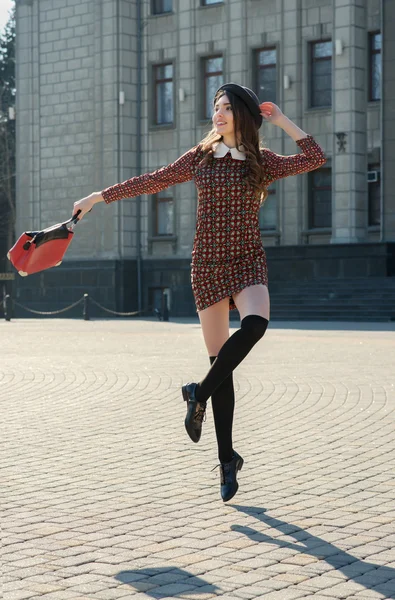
(86, 307)
(7, 307)
(165, 308)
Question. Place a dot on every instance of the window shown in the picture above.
(266, 69)
(159, 7)
(163, 213)
(321, 74)
(208, 2)
(320, 198)
(374, 195)
(375, 66)
(164, 94)
(213, 79)
(268, 212)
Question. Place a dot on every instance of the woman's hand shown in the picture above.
(271, 112)
(86, 204)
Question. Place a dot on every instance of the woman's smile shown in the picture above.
(223, 120)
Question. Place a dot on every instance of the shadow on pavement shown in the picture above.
(371, 576)
(162, 582)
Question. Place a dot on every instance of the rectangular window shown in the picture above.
(374, 195)
(208, 2)
(320, 74)
(159, 7)
(266, 69)
(375, 66)
(213, 79)
(164, 94)
(268, 212)
(320, 198)
(163, 213)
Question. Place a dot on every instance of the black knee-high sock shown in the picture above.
(223, 405)
(235, 349)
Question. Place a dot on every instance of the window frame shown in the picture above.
(311, 192)
(312, 61)
(373, 52)
(206, 76)
(155, 67)
(258, 67)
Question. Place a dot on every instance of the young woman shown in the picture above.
(232, 173)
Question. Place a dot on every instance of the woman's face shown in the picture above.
(223, 116)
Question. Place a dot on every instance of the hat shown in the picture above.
(249, 98)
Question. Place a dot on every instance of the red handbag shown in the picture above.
(39, 250)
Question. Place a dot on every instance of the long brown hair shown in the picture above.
(247, 136)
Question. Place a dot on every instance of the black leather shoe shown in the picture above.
(229, 485)
(195, 412)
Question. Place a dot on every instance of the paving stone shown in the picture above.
(101, 500)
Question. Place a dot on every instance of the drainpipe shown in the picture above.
(120, 176)
(333, 101)
(382, 168)
(139, 146)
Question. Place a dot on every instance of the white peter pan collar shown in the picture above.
(221, 150)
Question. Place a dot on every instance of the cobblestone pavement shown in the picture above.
(105, 497)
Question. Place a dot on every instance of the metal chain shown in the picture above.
(62, 310)
(53, 312)
(114, 312)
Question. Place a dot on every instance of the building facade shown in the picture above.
(109, 89)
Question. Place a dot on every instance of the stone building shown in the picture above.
(108, 89)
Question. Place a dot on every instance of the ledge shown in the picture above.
(164, 14)
(317, 231)
(211, 5)
(317, 110)
(162, 238)
(164, 127)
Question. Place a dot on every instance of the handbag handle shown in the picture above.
(72, 222)
(74, 219)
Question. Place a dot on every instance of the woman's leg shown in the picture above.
(215, 327)
(254, 306)
(253, 300)
(223, 405)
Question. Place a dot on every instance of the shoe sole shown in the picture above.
(190, 431)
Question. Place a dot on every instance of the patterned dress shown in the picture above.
(227, 254)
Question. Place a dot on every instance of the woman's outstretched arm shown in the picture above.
(150, 183)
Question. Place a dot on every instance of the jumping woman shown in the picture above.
(232, 173)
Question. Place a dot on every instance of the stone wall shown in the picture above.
(81, 127)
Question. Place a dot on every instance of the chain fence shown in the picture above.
(49, 312)
(9, 304)
(115, 312)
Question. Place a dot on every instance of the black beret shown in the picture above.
(249, 98)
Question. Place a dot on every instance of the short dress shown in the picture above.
(228, 253)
